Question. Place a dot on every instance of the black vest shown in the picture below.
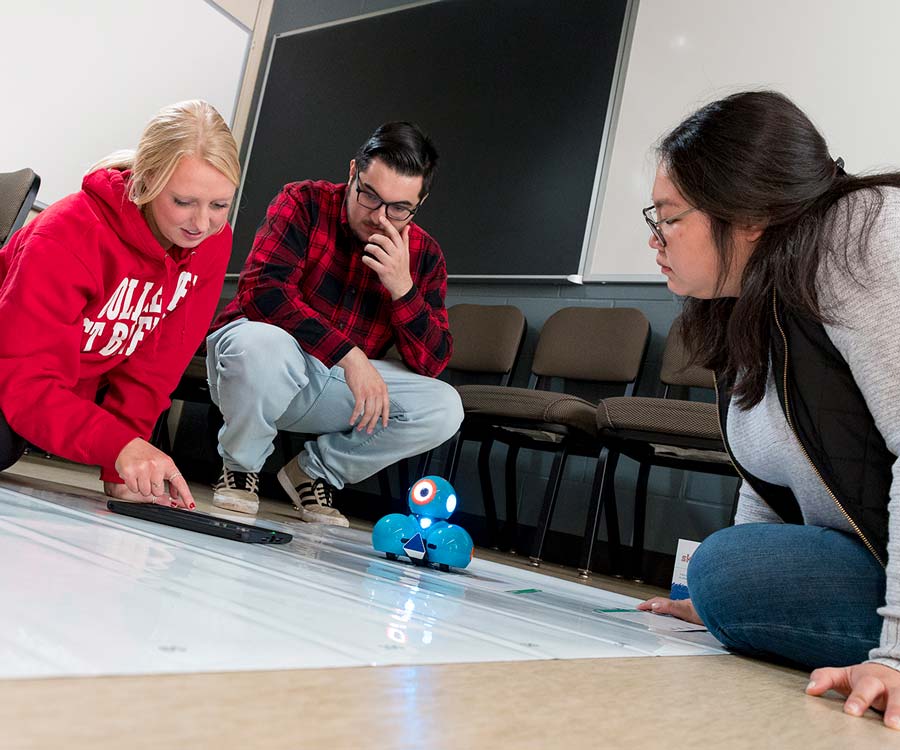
(829, 415)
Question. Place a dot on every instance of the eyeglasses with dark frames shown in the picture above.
(656, 225)
(395, 211)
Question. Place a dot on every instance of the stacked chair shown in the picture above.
(17, 193)
(668, 432)
(601, 348)
(487, 342)
(578, 346)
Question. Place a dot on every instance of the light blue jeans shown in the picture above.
(263, 382)
(801, 594)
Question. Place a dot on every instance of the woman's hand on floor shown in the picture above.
(866, 685)
(680, 608)
(150, 476)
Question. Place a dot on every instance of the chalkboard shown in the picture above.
(514, 93)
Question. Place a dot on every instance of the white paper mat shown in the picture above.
(87, 592)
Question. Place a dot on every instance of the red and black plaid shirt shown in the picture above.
(305, 274)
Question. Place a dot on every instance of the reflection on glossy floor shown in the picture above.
(111, 594)
(525, 701)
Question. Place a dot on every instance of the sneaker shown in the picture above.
(237, 490)
(312, 497)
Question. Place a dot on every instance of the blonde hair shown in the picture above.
(187, 128)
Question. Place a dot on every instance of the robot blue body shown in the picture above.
(425, 537)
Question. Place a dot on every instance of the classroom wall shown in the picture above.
(679, 503)
(73, 105)
(243, 10)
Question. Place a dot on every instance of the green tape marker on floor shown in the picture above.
(524, 591)
(604, 611)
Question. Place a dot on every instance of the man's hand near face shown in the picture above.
(389, 258)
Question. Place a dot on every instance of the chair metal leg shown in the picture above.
(403, 474)
(422, 464)
(487, 490)
(640, 519)
(614, 543)
(384, 486)
(511, 528)
(453, 455)
(287, 445)
(604, 476)
(425, 463)
(543, 524)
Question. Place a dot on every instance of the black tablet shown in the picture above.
(201, 522)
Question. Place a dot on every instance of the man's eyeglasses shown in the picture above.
(395, 211)
(656, 225)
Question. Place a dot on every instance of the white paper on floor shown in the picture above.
(87, 592)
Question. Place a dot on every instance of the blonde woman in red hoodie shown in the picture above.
(105, 297)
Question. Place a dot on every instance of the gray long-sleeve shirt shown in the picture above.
(865, 307)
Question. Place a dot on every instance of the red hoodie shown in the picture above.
(88, 298)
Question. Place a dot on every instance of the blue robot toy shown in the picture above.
(425, 537)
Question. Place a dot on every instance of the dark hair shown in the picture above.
(755, 158)
(404, 148)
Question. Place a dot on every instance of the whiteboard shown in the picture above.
(837, 59)
(81, 79)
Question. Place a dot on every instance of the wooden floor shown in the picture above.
(673, 702)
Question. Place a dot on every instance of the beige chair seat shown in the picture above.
(665, 432)
(579, 346)
(528, 404)
(691, 454)
(662, 415)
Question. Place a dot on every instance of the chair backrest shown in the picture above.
(486, 338)
(600, 344)
(17, 193)
(676, 364)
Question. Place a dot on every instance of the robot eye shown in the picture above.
(423, 492)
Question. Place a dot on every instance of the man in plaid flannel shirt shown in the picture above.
(337, 274)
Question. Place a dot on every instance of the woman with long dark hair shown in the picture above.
(791, 271)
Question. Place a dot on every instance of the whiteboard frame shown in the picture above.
(601, 179)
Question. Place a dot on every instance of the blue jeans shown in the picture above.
(263, 382)
(802, 594)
